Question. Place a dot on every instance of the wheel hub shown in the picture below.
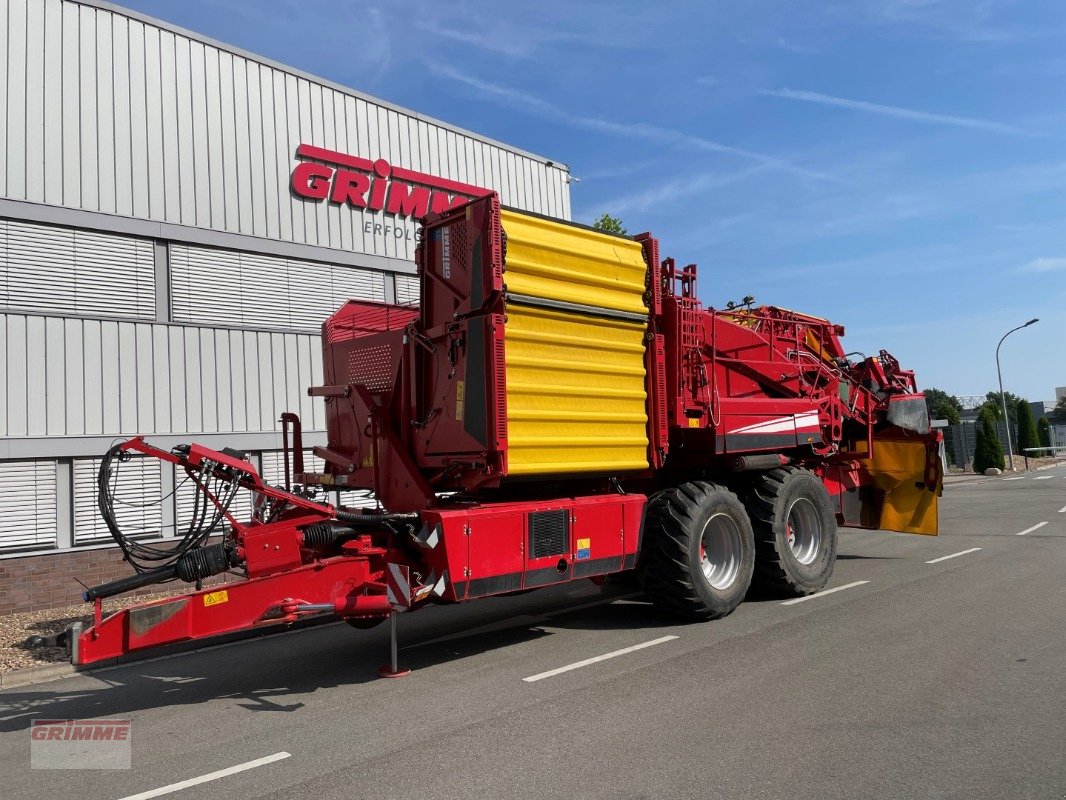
(803, 531)
(720, 551)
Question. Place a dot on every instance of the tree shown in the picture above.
(942, 405)
(992, 400)
(1026, 429)
(988, 451)
(1058, 414)
(610, 224)
(1043, 428)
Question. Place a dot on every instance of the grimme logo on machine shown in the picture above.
(375, 186)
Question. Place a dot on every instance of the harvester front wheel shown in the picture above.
(698, 551)
(795, 531)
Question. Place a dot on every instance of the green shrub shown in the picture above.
(988, 452)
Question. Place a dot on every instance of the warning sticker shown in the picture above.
(216, 598)
(460, 399)
(584, 548)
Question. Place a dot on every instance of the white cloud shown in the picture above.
(1044, 265)
(897, 111)
(633, 130)
(677, 189)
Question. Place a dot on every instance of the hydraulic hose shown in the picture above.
(131, 582)
(195, 565)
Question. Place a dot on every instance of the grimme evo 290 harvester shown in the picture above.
(560, 406)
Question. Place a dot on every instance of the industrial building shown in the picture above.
(177, 219)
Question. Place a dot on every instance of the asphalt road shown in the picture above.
(944, 679)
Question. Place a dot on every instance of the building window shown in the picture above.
(228, 287)
(27, 505)
(50, 269)
(138, 500)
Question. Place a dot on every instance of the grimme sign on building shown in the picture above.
(377, 187)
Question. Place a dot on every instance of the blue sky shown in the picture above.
(895, 165)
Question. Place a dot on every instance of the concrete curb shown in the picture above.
(32, 675)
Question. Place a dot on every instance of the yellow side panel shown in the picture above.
(575, 393)
(556, 261)
(896, 467)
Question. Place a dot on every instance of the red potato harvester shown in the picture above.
(560, 406)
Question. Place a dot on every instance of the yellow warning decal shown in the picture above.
(216, 598)
(693, 423)
(584, 548)
(460, 399)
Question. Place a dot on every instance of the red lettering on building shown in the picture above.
(358, 182)
(311, 180)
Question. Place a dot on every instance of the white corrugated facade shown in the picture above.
(160, 274)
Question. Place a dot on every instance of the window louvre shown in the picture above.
(229, 287)
(27, 505)
(138, 509)
(52, 269)
(406, 290)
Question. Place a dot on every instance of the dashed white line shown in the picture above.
(953, 555)
(1019, 478)
(1043, 477)
(596, 659)
(211, 776)
(1062, 510)
(1030, 530)
(795, 600)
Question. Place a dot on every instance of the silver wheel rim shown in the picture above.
(720, 551)
(804, 530)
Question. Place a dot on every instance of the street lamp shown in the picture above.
(1003, 397)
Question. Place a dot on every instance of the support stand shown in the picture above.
(392, 669)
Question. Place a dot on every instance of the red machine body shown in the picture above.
(422, 410)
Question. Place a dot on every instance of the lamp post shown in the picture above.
(1003, 397)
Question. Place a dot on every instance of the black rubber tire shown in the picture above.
(670, 568)
(769, 501)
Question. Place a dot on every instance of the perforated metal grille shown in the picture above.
(372, 367)
(501, 391)
(549, 533)
(460, 247)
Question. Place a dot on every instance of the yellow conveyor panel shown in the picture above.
(575, 392)
(556, 261)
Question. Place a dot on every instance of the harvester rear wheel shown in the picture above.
(795, 531)
(698, 551)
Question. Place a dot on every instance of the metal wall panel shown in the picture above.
(109, 113)
(68, 271)
(27, 505)
(239, 288)
(138, 504)
(88, 377)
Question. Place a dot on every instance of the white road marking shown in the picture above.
(960, 553)
(1044, 478)
(1062, 510)
(1019, 478)
(1030, 530)
(211, 776)
(578, 664)
(795, 600)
